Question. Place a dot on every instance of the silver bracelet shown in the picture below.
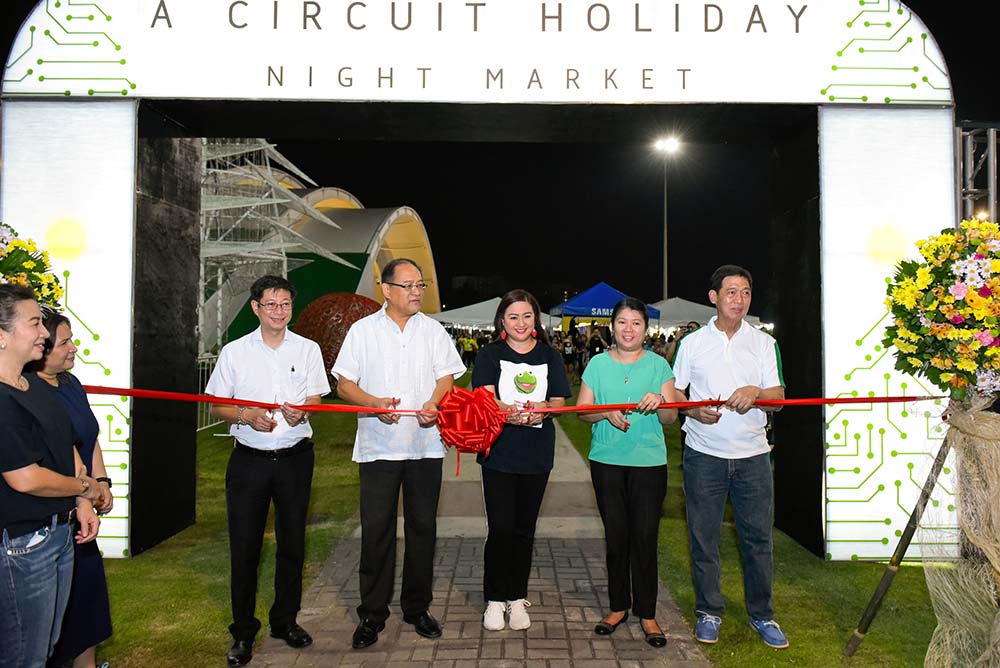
(239, 417)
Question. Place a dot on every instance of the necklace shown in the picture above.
(19, 384)
(628, 367)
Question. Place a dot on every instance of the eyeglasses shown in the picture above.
(409, 287)
(276, 306)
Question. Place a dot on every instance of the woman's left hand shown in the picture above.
(532, 419)
(89, 522)
(106, 501)
(649, 403)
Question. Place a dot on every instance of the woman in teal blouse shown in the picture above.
(628, 464)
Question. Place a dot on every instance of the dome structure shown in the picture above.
(380, 235)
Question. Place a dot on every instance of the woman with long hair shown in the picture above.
(42, 483)
(87, 621)
(522, 370)
(628, 464)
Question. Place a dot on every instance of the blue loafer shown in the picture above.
(706, 629)
(770, 633)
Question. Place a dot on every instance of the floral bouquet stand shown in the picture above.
(946, 311)
(23, 264)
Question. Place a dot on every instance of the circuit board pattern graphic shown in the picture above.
(69, 49)
(887, 57)
(878, 457)
(113, 418)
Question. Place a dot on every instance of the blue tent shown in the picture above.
(596, 302)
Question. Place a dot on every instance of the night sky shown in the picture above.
(560, 217)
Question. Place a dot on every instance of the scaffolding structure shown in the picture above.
(247, 187)
(977, 171)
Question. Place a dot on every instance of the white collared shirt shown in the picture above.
(248, 368)
(406, 364)
(714, 366)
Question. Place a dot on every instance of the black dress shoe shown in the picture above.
(294, 635)
(603, 628)
(240, 653)
(366, 634)
(655, 639)
(424, 625)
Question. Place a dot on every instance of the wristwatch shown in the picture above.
(86, 487)
(105, 480)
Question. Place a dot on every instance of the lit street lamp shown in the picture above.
(668, 146)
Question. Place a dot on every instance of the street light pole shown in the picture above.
(666, 246)
(668, 147)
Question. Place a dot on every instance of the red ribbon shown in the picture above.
(231, 401)
(471, 421)
(763, 403)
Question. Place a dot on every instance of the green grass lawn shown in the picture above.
(170, 605)
(817, 602)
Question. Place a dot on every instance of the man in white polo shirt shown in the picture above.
(397, 358)
(727, 453)
(272, 459)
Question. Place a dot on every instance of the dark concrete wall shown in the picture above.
(797, 286)
(165, 344)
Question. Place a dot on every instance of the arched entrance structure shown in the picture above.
(77, 77)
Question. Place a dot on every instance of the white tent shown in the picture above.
(473, 315)
(676, 311)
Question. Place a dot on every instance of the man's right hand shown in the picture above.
(386, 403)
(704, 414)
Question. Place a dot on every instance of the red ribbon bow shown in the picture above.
(470, 421)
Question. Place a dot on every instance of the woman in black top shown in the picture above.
(520, 368)
(87, 621)
(41, 481)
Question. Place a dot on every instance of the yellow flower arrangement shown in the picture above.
(945, 310)
(21, 262)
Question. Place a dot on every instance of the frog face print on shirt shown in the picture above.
(525, 382)
(520, 383)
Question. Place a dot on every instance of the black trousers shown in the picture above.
(512, 504)
(630, 500)
(252, 482)
(381, 480)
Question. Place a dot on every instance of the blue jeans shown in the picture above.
(34, 588)
(747, 482)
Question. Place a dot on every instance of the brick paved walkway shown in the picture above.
(567, 588)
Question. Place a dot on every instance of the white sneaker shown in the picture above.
(519, 619)
(493, 617)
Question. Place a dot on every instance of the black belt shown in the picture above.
(16, 529)
(303, 445)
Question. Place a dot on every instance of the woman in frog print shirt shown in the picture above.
(520, 369)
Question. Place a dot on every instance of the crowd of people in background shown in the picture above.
(578, 344)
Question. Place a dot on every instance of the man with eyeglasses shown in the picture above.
(272, 459)
(397, 358)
